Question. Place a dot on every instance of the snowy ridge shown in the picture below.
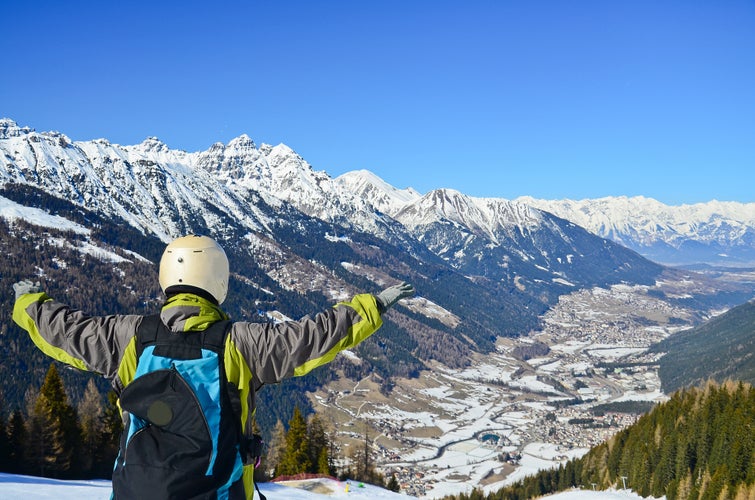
(486, 216)
(135, 183)
(653, 220)
(279, 174)
(146, 184)
(647, 225)
(381, 195)
(713, 232)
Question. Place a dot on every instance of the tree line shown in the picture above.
(51, 437)
(308, 446)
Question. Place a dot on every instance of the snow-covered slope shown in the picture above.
(13, 487)
(152, 187)
(379, 193)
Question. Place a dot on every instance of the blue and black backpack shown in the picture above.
(183, 438)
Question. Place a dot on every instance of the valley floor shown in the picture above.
(502, 418)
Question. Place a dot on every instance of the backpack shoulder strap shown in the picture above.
(214, 337)
(146, 334)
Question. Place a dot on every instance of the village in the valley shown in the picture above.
(585, 375)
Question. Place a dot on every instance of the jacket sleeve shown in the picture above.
(93, 343)
(294, 348)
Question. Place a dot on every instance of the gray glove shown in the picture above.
(393, 294)
(24, 287)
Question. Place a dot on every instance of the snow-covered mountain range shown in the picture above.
(139, 182)
(240, 190)
(716, 232)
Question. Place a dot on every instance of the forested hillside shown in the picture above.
(698, 445)
(54, 437)
(722, 348)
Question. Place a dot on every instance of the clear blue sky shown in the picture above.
(553, 99)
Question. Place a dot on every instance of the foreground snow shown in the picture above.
(13, 487)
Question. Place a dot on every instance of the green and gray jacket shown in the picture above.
(254, 354)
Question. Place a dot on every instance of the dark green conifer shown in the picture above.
(17, 443)
(54, 428)
(296, 459)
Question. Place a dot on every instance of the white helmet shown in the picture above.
(195, 261)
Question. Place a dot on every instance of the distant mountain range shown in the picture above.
(299, 240)
(716, 233)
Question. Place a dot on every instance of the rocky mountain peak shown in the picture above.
(481, 215)
(9, 128)
(380, 194)
(242, 143)
(154, 145)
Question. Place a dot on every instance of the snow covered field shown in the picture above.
(28, 488)
(13, 487)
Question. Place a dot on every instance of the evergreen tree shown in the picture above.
(53, 425)
(17, 443)
(277, 448)
(296, 459)
(92, 430)
(4, 444)
(36, 437)
(318, 445)
(323, 463)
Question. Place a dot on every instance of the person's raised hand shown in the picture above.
(25, 286)
(388, 297)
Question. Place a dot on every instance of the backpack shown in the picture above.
(182, 439)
